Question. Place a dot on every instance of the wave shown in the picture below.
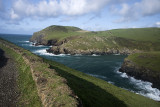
(146, 88)
(95, 55)
(77, 55)
(85, 55)
(44, 52)
(26, 41)
(37, 46)
(116, 54)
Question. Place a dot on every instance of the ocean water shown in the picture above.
(103, 67)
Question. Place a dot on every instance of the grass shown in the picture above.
(149, 60)
(138, 34)
(54, 92)
(57, 32)
(26, 84)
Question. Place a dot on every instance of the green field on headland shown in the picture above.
(150, 60)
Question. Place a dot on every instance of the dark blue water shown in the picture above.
(103, 67)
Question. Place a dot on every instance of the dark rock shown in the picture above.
(52, 42)
(140, 72)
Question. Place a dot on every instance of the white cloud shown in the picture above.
(79, 7)
(149, 7)
(137, 10)
(157, 24)
(53, 8)
(13, 15)
(125, 9)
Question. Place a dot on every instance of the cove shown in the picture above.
(103, 67)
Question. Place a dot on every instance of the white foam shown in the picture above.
(31, 44)
(116, 54)
(95, 55)
(124, 75)
(38, 45)
(44, 52)
(145, 87)
(147, 91)
(98, 76)
(26, 41)
(78, 55)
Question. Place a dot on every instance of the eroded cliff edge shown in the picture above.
(144, 66)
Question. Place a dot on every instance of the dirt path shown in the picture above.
(8, 85)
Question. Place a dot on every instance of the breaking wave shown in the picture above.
(44, 52)
(146, 88)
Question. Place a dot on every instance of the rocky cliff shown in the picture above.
(141, 72)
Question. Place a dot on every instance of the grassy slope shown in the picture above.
(57, 32)
(149, 60)
(98, 93)
(139, 38)
(139, 34)
(28, 91)
(56, 90)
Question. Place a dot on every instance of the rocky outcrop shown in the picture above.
(140, 72)
(66, 50)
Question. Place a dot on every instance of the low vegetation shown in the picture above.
(36, 79)
(27, 87)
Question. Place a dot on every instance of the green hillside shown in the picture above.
(76, 41)
(61, 32)
(139, 34)
(57, 32)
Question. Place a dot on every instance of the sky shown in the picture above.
(29, 16)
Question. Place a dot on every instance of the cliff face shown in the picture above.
(88, 45)
(66, 50)
(140, 72)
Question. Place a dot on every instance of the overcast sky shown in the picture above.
(28, 16)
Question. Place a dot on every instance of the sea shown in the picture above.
(104, 67)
